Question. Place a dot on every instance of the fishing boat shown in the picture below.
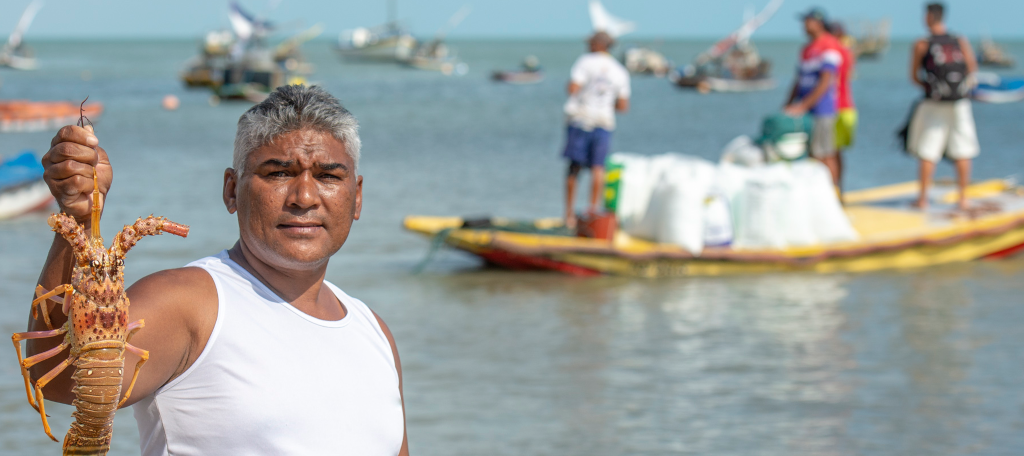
(435, 55)
(646, 61)
(732, 64)
(240, 65)
(529, 72)
(15, 53)
(873, 40)
(991, 55)
(30, 116)
(993, 88)
(22, 188)
(388, 42)
(892, 235)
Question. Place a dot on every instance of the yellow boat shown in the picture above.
(893, 235)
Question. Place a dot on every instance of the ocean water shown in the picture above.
(888, 363)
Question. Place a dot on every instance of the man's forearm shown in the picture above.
(56, 271)
(819, 90)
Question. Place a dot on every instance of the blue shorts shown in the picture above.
(587, 148)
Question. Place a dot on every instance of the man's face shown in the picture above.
(812, 27)
(297, 200)
(930, 19)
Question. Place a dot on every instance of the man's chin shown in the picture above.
(292, 254)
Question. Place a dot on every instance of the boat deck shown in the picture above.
(893, 234)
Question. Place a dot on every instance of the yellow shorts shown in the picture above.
(846, 128)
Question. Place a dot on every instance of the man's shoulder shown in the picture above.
(190, 284)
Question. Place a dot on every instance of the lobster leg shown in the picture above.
(144, 356)
(17, 338)
(39, 393)
(41, 298)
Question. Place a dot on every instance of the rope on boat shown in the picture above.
(435, 245)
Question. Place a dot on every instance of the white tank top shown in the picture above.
(274, 380)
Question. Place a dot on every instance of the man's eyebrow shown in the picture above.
(278, 163)
(332, 166)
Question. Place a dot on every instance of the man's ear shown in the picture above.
(230, 190)
(359, 198)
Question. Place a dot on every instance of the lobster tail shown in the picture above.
(98, 377)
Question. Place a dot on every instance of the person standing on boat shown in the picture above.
(943, 124)
(598, 88)
(814, 90)
(846, 119)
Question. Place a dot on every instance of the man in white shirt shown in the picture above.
(250, 351)
(598, 87)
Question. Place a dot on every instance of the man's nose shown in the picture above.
(304, 193)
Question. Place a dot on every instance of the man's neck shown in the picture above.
(938, 29)
(303, 289)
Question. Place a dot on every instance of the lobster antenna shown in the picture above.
(95, 206)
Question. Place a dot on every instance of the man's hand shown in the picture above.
(795, 110)
(69, 164)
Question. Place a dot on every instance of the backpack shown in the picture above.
(785, 137)
(945, 69)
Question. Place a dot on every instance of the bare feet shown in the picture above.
(570, 222)
(921, 204)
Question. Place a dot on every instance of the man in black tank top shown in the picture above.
(943, 124)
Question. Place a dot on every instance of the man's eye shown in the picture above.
(330, 177)
(278, 174)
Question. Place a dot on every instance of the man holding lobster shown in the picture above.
(251, 350)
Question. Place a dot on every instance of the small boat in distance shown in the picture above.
(991, 55)
(529, 72)
(435, 54)
(389, 42)
(22, 189)
(732, 64)
(873, 40)
(15, 53)
(642, 60)
(31, 116)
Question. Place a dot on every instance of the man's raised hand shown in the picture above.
(74, 153)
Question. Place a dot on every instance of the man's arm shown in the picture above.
(920, 47)
(176, 304)
(793, 90)
(804, 105)
(573, 88)
(622, 105)
(398, 367)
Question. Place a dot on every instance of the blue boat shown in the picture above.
(993, 88)
(22, 188)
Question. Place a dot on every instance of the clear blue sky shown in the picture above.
(496, 18)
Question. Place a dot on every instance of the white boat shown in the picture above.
(435, 54)
(389, 42)
(993, 88)
(15, 54)
(22, 188)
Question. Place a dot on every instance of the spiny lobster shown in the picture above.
(97, 330)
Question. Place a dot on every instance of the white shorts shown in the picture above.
(943, 127)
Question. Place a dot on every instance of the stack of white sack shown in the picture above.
(688, 201)
(782, 204)
(661, 198)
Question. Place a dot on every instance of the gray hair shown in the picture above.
(292, 108)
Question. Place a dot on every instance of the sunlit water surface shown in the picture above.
(890, 363)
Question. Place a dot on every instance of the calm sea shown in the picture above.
(889, 363)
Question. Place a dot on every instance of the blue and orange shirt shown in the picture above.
(820, 56)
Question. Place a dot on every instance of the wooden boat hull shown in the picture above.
(892, 238)
(706, 84)
(31, 116)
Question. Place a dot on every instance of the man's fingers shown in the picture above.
(75, 134)
(66, 169)
(71, 151)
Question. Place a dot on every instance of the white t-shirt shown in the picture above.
(602, 81)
